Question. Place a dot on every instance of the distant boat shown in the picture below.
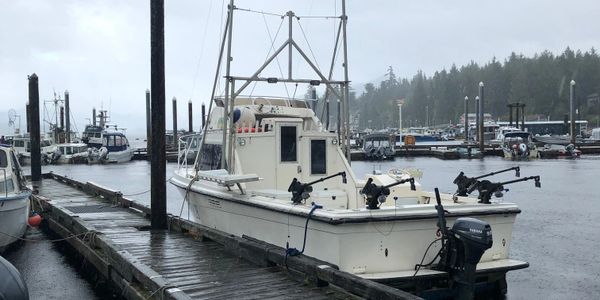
(22, 147)
(378, 146)
(106, 146)
(421, 134)
(71, 153)
(14, 198)
(519, 145)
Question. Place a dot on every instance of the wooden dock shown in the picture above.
(188, 261)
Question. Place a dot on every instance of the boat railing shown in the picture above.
(187, 145)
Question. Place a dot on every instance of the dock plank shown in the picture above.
(201, 269)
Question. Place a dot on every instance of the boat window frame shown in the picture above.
(324, 140)
(282, 144)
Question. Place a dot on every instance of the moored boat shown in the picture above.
(269, 169)
(14, 198)
(519, 145)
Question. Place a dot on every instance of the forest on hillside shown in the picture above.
(541, 82)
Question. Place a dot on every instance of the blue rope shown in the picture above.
(294, 251)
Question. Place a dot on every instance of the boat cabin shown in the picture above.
(70, 149)
(115, 141)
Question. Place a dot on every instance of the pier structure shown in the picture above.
(113, 234)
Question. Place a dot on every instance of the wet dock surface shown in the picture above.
(200, 269)
(48, 273)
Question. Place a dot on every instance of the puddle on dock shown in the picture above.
(556, 232)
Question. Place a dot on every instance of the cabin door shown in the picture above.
(288, 155)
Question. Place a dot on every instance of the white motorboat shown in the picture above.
(501, 131)
(14, 198)
(519, 145)
(106, 146)
(22, 147)
(270, 170)
(70, 153)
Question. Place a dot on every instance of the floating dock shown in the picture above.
(187, 261)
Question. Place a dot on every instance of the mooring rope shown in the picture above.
(84, 234)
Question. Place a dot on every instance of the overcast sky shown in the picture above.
(100, 50)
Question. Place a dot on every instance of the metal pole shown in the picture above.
(476, 136)
(190, 117)
(400, 118)
(148, 124)
(34, 106)
(94, 116)
(572, 112)
(227, 79)
(466, 119)
(67, 117)
(427, 116)
(231, 130)
(290, 14)
(175, 122)
(326, 114)
(339, 121)
(203, 115)
(510, 115)
(347, 82)
(481, 118)
(158, 191)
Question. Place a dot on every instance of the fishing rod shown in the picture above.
(487, 188)
(301, 191)
(464, 183)
(377, 194)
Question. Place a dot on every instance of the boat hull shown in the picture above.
(367, 247)
(14, 213)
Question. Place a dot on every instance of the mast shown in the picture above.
(346, 82)
(224, 152)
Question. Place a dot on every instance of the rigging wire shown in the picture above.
(201, 48)
(309, 47)
(264, 13)
(272, 48)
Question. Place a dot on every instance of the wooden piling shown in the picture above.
(94, 116)
(203, 115)
(481, 118)
(148, 124)
(27, 115)
(34, 106)
(174, 122)
(158, 189)
(62, 117)
(67, 118)
(190, 117)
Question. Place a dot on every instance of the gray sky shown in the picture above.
(99, 50)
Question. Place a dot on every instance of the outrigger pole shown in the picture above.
(231, 93)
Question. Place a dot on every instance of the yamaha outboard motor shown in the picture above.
(12, 285)
(463, 246)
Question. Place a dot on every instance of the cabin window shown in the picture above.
(19, 144)
(3, 160)
(318, 161)
(6, 185)
(118, 141)
(288, 143)
(69, 150)
(210, 158)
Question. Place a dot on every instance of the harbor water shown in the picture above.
(556, 231)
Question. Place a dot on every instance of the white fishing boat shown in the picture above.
(14, 198)
(106, 146)
(71, 153)
(22, 147)
(269, 169)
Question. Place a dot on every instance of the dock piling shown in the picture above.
(572, 111)
(34, 106)
(476, 136)
(94, 116)
(203, 116)
(158, 185)
(174, 122)
(466, 119)
(27, 115)
(481, 118)
(190, 117)
(148, 124)
(67, 117)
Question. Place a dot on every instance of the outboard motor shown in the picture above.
(462, 248)
(12, 285)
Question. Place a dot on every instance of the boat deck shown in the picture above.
(185, 262)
